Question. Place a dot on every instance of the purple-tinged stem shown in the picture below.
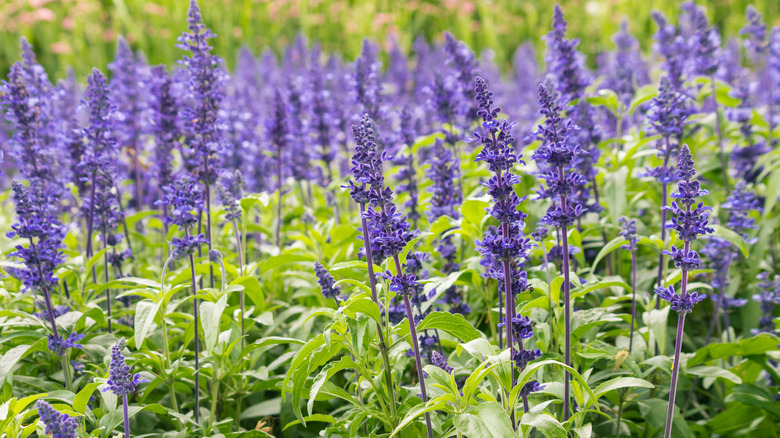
(105, 278)
(196, 391)
(46, 295)
(566, 306)
(416, 348)
(279, 201)
(509, 312)
(90, 217)
(664, 201)
(241, 272)
(551, 315)
(124, 219)
(633, 301)
(379, 329)
(723, 161)
(127, 417)
(677, 351)
(207, 194)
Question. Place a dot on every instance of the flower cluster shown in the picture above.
(367, 81)
(230, 189)
(57, 424)
(690, 221)
(326, 282)
(740, 203)
(184, 198)
(368, 186)
(555, 155)
(204, 89)
(628, 232)
(438, 360)
(704, 42)
(566, 64)
(672, 48)
(163, 127)
(38, 225)
(463, 64)
(443, 172)
(767, 298)
(60, 346)
(121, 381)
(680, 303)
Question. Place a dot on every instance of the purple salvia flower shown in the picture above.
(57, 424)
(204, 94)
(555, 155)
(162, 125)
(230, 189)
(26, 145)
(439, 361)
(740, 204)
(121, 381)
(326, 282)
(385, 233)
(767, 298)
(463, 64)
(398, 71)
(690, 221)
(565, 63)
(672, 48)
(130, 77)
(628, 232)
(277, 132)
(755, 30)
(367, 82)
(443, 172)
(204, 87)
(508, 246)
(407, 174)
(185, 200)
(324, 117)
(627, 69)
(704, 41)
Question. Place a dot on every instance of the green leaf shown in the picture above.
(473, 210)
(709, 371)
(82, 398)
(753, 346)
(252, 289)
(210, 314)
(322, 418)
(616, 193)
(621, 382)
(608, 248)
(732, 237)
(438, 403)
(12, 356)
(145, 312)
(546, 424)
(605, 98)
(655, 320)
(452, 323)
(653, 411)
(365, 306)
(284, 259)
(486, 420)
(249, 201)
(641, 96)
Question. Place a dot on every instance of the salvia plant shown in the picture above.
(396, 239)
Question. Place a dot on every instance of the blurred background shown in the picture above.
(82, 33)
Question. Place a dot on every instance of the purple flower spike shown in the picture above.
(57, 424)
(680, 304)
(121, 381)
(326, 282)
(438, 360)
(60, 346)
